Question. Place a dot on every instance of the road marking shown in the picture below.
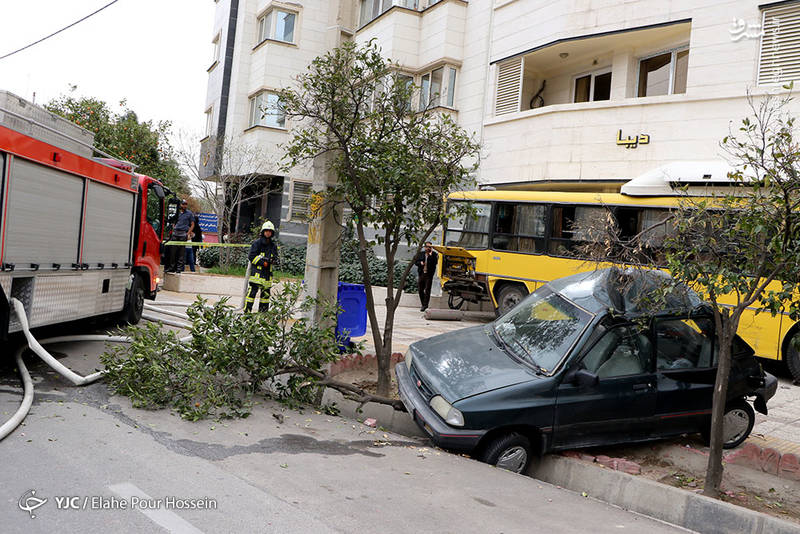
(170, 521)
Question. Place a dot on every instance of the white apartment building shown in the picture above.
(590, 93)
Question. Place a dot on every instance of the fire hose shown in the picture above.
(39, 350)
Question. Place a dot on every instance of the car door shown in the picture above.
(621, 406)
(686, 359)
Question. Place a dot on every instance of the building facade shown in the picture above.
(587, 92)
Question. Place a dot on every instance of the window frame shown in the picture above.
(651, 367)
(209, 121)
(461, 231)
(654, 338)
(445, 98)
(253, 99)
(673, 52)
(292, 217)
(539, 240)
(593, 74)
(273, 22)
(217, 44)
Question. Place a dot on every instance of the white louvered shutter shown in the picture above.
(779, 60)
(301, 201)
(509, 86)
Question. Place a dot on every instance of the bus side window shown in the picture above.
(519, 227)
(628, 222)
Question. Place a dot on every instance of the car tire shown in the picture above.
(793, 359)
(509, 296)
(509, 451)
(134, 303)
(737, 423)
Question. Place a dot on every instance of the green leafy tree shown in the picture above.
(739, 250)
(123, 136)
(394, 166)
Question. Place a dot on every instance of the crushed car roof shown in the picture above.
(630, 292)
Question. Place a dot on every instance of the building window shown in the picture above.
(664, 74)
(593, 87)
(300, 201)
(372, 9)
(209, 121)
(509, 85)
(778, 61)
(266, 110)
(215, 49)
(277, 24)
(437, 88)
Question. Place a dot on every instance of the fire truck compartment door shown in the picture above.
(109, 212)
(43, 221)
(453, 251)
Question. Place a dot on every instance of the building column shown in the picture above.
(325, 228)
(623, 74)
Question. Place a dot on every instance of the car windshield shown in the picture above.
(542, 328)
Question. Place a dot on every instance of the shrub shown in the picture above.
(229, 358)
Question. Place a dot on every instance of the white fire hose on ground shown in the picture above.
(76, 379)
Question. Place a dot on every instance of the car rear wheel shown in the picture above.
(793, 358)
(509, 451)
(509, 296)
(737, 423)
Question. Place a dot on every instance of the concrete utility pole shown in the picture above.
(324, 229)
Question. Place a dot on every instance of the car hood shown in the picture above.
(464, 363)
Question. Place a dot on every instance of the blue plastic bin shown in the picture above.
(352, 320)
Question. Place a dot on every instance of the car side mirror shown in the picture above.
(584, 379)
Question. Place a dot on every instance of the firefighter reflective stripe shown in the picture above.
(258, 259)
(260, 280)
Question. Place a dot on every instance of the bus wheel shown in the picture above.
(793, 357)
(509, 296)
(455, 302)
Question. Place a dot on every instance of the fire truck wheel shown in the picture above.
(134, 302)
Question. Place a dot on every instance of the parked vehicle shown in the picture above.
(579, 362)
(79, 236)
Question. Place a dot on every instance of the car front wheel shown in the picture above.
(509, 296)
(509, 451)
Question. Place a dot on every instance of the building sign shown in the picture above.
(208, 222)
(632, 142)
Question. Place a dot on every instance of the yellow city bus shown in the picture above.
(519, 240)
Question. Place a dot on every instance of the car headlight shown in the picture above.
(408, 357)
(446, 411)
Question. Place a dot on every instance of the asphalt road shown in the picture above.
(103, 466)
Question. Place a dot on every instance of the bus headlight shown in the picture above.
(446, 411)
(408, 357)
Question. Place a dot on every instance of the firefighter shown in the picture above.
(263, 254)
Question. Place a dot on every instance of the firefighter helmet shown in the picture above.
(268, 226)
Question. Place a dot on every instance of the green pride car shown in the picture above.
(579, 363)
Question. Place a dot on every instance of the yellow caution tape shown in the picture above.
(206, 245)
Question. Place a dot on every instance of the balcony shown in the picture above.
(631, 63)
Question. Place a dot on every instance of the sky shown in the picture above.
(154, 53)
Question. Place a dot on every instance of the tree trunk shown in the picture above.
(714, 469)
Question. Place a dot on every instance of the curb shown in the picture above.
(685, 509)
(678, 507)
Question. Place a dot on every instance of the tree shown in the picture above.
(242, 173)
(121, 135)
(394, 166)
(738, 250)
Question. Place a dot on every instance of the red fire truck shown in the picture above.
(79, 236)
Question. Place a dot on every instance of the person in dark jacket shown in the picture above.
(184, 225)
(197, 237)
(426, 262)
(263, 255)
